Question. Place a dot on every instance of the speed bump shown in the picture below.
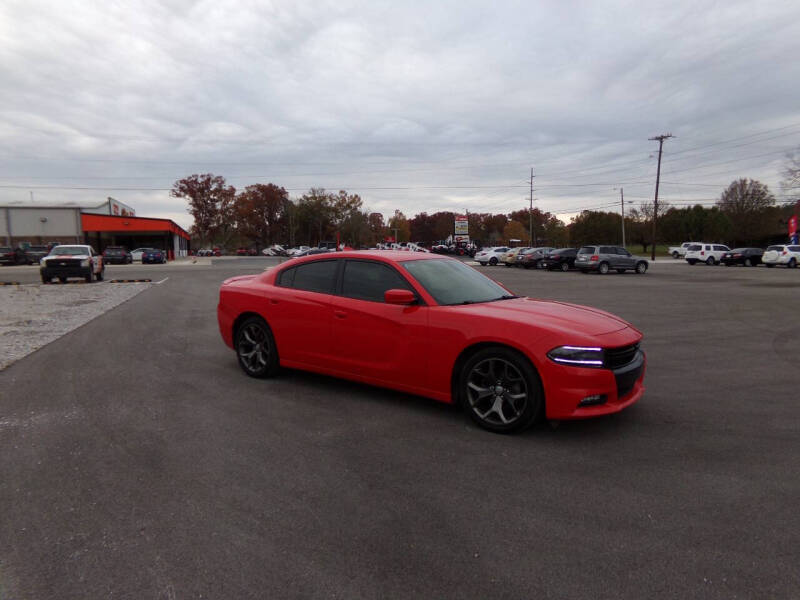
(130, 281)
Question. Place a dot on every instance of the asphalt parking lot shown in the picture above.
(137, 461)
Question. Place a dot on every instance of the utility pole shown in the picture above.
(660, 139)
(622, 200)
(531, 239)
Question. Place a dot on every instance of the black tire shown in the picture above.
(675, 255)
(493, 261)
(565, 266)
(792, 263)
(602, 268)
(641, 267)
(255, 348)
(748, 262)
(710, 261)
(691, 261)
(500, 390)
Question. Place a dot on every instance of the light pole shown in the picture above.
(622, 202)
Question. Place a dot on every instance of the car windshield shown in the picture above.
(453, 282)
(775, 248)
(70, 250)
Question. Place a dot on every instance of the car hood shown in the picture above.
(66, 256)
(549, 314)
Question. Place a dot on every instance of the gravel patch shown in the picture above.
(32, 316)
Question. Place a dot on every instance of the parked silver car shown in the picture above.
(604, 258)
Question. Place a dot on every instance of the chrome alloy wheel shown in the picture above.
(497, 392)
(254, 347)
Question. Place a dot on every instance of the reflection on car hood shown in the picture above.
(544, 313)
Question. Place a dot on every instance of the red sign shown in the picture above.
(792, 225)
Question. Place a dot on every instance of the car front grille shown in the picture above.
(64, 262)
(616, 358)
(626, 381)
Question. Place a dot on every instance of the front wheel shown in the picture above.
(675, 255)
(500, 390)
(565, 266)
(493, 261)
(641, 268)
(255, 348)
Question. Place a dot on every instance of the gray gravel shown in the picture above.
(32, 316)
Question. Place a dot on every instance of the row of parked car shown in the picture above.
(786, 255)
(23, 256)
(601, 259)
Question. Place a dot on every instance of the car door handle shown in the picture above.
(339, 314)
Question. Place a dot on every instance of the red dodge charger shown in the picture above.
(431, 325)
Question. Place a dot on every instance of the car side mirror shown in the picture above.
(398, 296)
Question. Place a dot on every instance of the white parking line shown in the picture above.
(162, 281)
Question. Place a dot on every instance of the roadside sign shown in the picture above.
(461, 226)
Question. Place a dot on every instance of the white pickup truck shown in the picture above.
(679, 251)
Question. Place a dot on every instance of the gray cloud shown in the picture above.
(452, 103)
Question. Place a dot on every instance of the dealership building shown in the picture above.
(111, 223)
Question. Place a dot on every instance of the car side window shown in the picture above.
(623, 252)
(365, 280)
(285, 278)
(723, 248)
(317, 276)
(607, 250)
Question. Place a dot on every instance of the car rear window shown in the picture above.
(695, 247)
(775, 248)
(365, 280)
(317, 276)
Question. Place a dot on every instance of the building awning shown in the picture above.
(132, 225)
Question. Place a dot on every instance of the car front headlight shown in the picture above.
(85, 262)
(578, 356)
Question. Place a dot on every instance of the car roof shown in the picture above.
(384, 255)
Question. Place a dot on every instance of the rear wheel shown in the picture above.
(565, 266)
(500, 390)
(255, 348)
(641, 268)
(748, 262)
(603, 268)
(710, 261)
(792, 263)
(493, 261)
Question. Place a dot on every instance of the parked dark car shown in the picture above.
(602, 259)
(152, 255)
(117, 255)
(562, 259)
(749, 257)
(33, 254)
(531, 257)
(11, 256)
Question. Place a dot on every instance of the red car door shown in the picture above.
(299, 310)
(373, 340)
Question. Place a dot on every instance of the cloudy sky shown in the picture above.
(413, 105)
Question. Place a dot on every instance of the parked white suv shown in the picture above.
(491, 256)
(710, 254)
(782, 255)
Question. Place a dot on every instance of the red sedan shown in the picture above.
(365, 316)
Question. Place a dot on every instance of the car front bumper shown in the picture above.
(65, 271)
(566, 389)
